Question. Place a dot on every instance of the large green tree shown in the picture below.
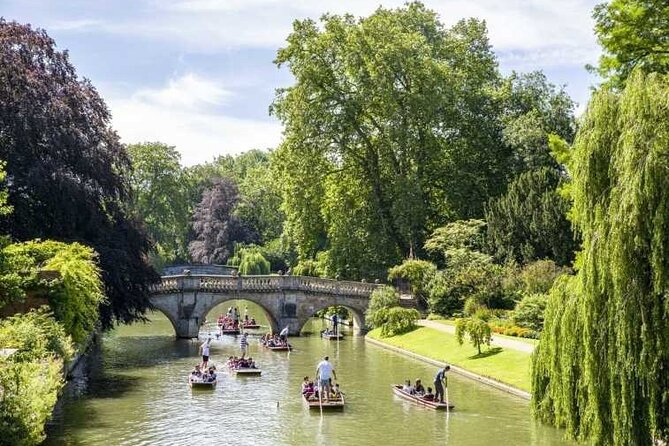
(533, 109)
(160, 198)
(633, 33)
(66, 167)
(529, 222)
(602, 366)
(391, 128)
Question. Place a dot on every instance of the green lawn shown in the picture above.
(494, 335)
(511, 367)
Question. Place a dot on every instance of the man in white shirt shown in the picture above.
(324, 372)
(204, 348)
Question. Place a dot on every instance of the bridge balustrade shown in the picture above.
(172, 284)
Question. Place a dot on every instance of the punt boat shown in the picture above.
(397, 390)
(315, 404)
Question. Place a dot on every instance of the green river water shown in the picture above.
(137, 394)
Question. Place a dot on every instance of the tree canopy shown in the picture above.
(215, 225)
(397, 125)
(65, 166)
(160, 198)
(529, 222)
(633, 33)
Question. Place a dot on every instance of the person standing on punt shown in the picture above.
(334, 323)
(244, 344)
(324, 372)
(284, 335)
(440, 378)
(204, 349)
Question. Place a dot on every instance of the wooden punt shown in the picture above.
(198, 385)
(315, 404)
(229, 331)
(281, 348)
(246, 371)
(251, 326)
(331, 336)
(397, 390)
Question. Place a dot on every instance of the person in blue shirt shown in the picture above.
(334, 323)
(440, 382)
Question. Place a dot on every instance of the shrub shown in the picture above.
(29, 393)
(481, 281)
(417, 272)
(529, 312)
(382, 298)
(31, 378)
(396, 320)
(308, 267)
(36, 335)
(507, 328)
(74, 297)
(533, 278)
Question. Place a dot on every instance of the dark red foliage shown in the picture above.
(66, 166)
(216, 226)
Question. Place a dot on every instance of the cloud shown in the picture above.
(520, 26)
(184, 113)
(189, 91)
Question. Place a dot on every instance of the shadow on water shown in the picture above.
(147, 351)
(490, 352)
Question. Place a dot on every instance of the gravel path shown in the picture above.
(497, 341)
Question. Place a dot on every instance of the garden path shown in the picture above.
(498, 341)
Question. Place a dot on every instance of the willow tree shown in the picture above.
(602, 367)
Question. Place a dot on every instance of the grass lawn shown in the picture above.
(494, 335)
(511, 367)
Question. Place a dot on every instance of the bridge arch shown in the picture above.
(274, 326)
(167, 313)
(357, 314)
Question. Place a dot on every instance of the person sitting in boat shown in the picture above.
(196, 374)
(418, 388)
(251, 363)
(211, 376)
(306, 389)
(336, 393)
(253, 321)
(408, 387)
(429, 396)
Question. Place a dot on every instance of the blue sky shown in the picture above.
(198, 74)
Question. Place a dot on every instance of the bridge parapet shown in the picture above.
(214, 284)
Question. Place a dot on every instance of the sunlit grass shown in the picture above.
(452, 322)
(511, 367)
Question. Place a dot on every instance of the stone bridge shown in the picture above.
(286, 300)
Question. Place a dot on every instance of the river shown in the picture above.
(136, 394)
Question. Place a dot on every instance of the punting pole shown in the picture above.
(320, 396)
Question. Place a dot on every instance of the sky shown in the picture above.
(198, 74)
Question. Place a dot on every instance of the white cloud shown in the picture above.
(189, 91)
(523, 26)
(181, 114)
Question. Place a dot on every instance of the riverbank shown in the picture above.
(506, 369)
